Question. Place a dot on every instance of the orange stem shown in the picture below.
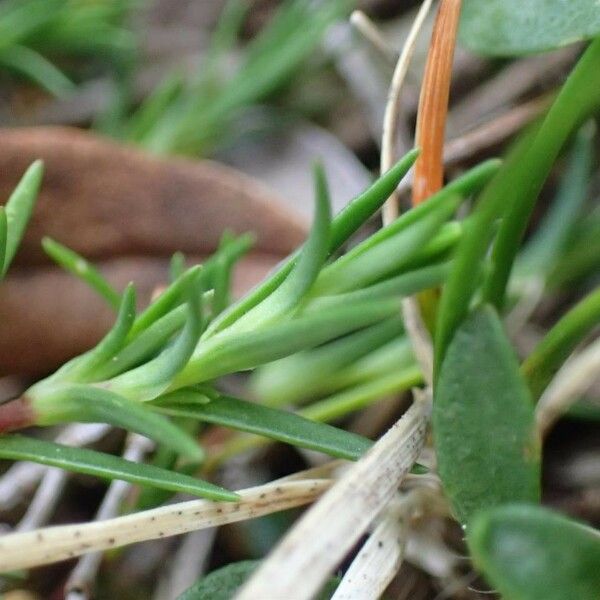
(433, 102)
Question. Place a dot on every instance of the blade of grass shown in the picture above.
(19, 208)
(106, 466)
(275, 424)
(343, 226)
(80, 267)
(551, 352)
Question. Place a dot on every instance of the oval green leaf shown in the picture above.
(514, 27)
(483, 419)
(528, 552)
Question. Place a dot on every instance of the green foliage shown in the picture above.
(223, 583)
(78, 266)
(35, 33)
(528, 552)
(556, 346)
(520, 179)
(192, 117)
(514, 27)
(18, 211)
(483, 421)
(105, 466)
(274, 424)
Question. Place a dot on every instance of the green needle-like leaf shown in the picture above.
(306, 374)
(405, 284)
(269, 422)
(550, 239)
(343, 225)
(226, 353)
(305, 270)
(483, 421)
(19, 208)
(145, 345)
(529, 552)
(80, 267)
(34, 66)
(89, 404)
(3, 237)
(523, 180)
(151, 379)
(389, 255)
(553, 350)
(83, 368)
(106, 466)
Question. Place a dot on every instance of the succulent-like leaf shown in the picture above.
(513, 27)
(19, 208)
(529, 552)
(558, 343)
(275, 424)
(303, 375)
(80, 267)
(342, 227)
(106, 466)
(228, 353)
(89, 404)
(483, 421)
(305, 270)
(83, 368)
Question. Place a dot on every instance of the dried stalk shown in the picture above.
(21, 478)
(53, 544)
(390, 119)
(573, 379)
(306, 556)
(361, 22)
(82, 577)
(377, 562)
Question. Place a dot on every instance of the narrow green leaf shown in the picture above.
(176, 266)
(274, 424)
(553, 350)
(307, 374)
(3, 238)
(149, 380)
(106, 466)
(145, 345)
(529, 552)
(305, 270)
(578, 98)
(550, 239)
(483, 421)
(346, 223)
(85, 403)
(405, 284)
(80, 267)
(167, 301)
(356, 270)
(514, 27)
(83, 368)
(34, 66)
(19, 208)
(226, 353)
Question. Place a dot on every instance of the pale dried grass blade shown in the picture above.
(574, 379)
(377, 562)
(53, 544)
(307, 555)
(392, 108)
